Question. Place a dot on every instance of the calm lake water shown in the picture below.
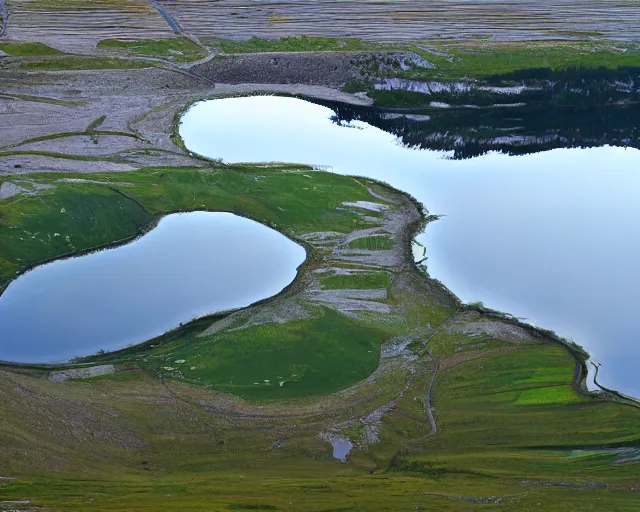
(189, 265)
(551, 236)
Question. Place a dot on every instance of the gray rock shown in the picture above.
(8, 189)
(82, 373)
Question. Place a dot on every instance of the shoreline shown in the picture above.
(578, 353)
(410, 231)
(78, 360)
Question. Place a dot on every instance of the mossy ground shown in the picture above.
(360, 280)
(76, 63)
(291, 200)
(468, 60)
(28, 49)
(298, 44)
(323, 354)
(371, 243)
(178, 48)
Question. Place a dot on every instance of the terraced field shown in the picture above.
(407, 19)
(77, 26)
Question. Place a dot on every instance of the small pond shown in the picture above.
(550, 236)
(188, 266)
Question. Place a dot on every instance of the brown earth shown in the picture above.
(46, 113)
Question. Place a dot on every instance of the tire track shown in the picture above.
(427, 400)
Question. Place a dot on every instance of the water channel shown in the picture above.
(550, 236)
(189, 265)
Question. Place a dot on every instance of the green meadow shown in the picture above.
(229, 419)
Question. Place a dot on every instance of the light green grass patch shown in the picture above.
(356, 281)
(180, 48)
(477, 59)
(548, 375)
(273, 361)
(28, 49)
(549, 395)
(371, 243)
(76, 63)
(44, 99)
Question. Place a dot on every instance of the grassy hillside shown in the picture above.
(512, 431)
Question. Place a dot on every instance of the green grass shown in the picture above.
(275, 361)
(498, 426)
(298, 44)
(53, 154)
(487, 445)
(93, 125)
(89, 132)
(354, 85)
(480, 59)
(77, 63)
(549, 396)
(28, 49)
(181, 49)
(356, 281)
(62, 221)
(371, 243)
(278, 199)
(480, 396)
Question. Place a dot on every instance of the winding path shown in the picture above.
(427, 400)
(173, 23)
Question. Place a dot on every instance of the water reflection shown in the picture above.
(550, 236)
(190, 265)
(516, 130)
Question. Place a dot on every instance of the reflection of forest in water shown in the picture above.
(558, 110)
(514, 130)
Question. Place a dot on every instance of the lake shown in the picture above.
(189, 265)
(548, 234)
